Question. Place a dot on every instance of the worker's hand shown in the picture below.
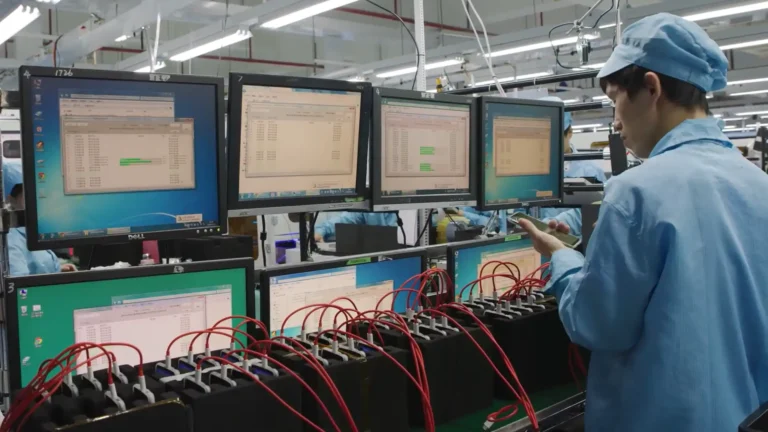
(318, 238)
(67, 268)
(544, 243)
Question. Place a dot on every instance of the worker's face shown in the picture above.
(17, 202)
(637, 118)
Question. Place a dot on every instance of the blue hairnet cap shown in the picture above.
(567, 119)
(11, 175)
(672, 46)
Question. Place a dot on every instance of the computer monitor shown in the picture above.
(144, 306)
(118, 156)
(364, 280)
(467, 262)
(522, 153)
(296, 144)
(424, 152)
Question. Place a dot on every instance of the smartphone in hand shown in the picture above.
(569, 240)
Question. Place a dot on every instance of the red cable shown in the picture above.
(197, 332)
(285, 321)
(474, 283)
(208, 335)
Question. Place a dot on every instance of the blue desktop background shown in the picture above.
(466, 261)
(397, 270)
(142, 211)
(523, 188)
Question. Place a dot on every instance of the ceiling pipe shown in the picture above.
(224, 58)
(408, 20)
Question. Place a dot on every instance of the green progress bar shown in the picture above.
(134, 161)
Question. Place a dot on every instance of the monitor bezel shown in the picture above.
(455, 247)
(382, 203)
(483, 109)
(264, 286)
(14, 284)
(355, 201)
(28, 155)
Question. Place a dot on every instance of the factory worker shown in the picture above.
(326, 231)
(573, 169)
(23, 261)
(672, 297)
(480, 218)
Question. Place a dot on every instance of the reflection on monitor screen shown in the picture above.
(123, 157)
(298, 142)
(521, 154)
(470, 265)
(148, 312)
(364, 284)
(425, 148)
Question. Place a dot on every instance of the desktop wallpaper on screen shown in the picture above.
(82, 214)
(47, 315)
(365, 284)
(522, 187)
(468, 263)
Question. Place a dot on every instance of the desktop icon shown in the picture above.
(40, 162)
(38, 99)
(37, 308)
(23, 310)
(40, 146)
(41, 176)
(39, 129)
(23, 293)
(38, 114)
(25, 361)
(38, 342)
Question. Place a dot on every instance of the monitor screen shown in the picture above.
(466, 263)
(297, 144)
(364, 283)
(424, 149)
(124, 306)
(120, 158)
(522, 153)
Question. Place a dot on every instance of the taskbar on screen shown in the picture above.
(202, 227)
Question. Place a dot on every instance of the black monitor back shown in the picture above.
(104, 255)
(353, 239)
(619, 162)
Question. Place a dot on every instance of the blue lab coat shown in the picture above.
(24, 262)
(327, 229)
(672, 298)
(480, 218)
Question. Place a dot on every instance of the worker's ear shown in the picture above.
(652, 83)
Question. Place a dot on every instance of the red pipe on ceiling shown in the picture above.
(225, 58)
(408, 20)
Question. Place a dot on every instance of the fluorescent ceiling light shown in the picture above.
(356, 79)
(236, 37)
(432, 91)
(748, 81)
(428, 66)
(510, 79)
(159, 65)
(600, 98)
(49, 1)
(605, 26)
(307, 12)
(588, 126)
(603, 129)
(717, 115)
(748, 93)
(748, 44)
(709, 96)
(539, 45)
(122, 38)
(719, 13)
(734, 119)
(735, 129)
(749, 114)
(21, 17)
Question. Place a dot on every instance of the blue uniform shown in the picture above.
(672, 298)
(22, 261)
(327, 229)
(480, 218)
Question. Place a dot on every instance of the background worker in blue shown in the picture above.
(672, 297)
(573, 169)
(23, 261)
(326, 231)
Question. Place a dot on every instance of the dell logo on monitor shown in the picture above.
(135, 236)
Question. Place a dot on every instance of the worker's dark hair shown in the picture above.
(17, 190)
(631, 79)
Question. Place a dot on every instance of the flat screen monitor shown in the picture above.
(144, 306)
(522, 153)
(467, 263)
(119, 156)
(424, 152)
(296, 144)
(364, 280)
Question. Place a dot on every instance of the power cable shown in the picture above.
(426, 225)
(415, 44)
(263, 238)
